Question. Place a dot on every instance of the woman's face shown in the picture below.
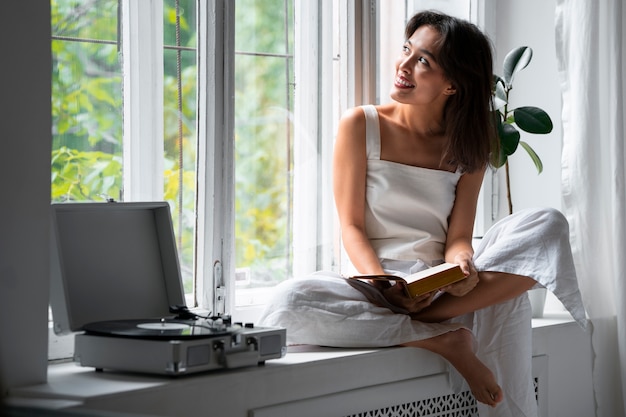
(419, 78)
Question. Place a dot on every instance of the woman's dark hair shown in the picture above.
(464, 54)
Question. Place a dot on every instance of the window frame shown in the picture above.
(142, 51)
(215, 201)
(327, 56)
(313, 65)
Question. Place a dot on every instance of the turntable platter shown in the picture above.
(156, 329)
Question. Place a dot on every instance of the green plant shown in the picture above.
(528, 118)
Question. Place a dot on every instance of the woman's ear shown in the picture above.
(451, 90)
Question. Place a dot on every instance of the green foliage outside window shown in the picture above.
(86, 103)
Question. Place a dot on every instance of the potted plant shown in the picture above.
(510, 121)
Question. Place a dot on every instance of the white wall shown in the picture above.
(531, 23)
(26, 138)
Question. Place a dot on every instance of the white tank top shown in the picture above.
(407, 207)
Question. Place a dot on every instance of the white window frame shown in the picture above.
(142, 32)
(483, 14)
(215, 209)
(316, 243)
(313, 66)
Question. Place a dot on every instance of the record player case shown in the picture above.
(118, 262)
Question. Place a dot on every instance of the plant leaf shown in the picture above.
(509, 138)
(533, 155)
(532, 120)
(501, 159)
(498, 80)
(499, 96)
(515, 61)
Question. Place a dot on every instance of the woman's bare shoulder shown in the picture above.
(351, 126)
(353, 116)
(350, 147)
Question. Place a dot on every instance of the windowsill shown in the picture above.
(305, 372)
(552, 318)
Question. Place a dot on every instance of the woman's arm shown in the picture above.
(460, 229)
(349, 179)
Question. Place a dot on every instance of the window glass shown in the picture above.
(180, 136)
(263, 144)
(86, 101)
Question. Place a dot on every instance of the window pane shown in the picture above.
(263, 143)
(180, 136)
(87, 106)
(86, 101)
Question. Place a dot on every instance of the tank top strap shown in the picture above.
(372, 132)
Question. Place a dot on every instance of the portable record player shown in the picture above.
(116, 283)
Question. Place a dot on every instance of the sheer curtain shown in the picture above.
(590, 52)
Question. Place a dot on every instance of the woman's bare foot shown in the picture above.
(456, 348)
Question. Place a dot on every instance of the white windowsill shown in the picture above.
(305, 372)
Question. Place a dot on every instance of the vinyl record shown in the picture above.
(155, 329)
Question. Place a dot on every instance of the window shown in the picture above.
(267, 187)
(140, 114)
(227, 110)
(264, 135)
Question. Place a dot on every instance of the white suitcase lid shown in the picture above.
(112, 261)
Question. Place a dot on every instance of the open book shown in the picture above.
(422, 282)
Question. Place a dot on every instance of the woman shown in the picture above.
(406, 180)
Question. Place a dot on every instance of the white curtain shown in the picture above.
(590, 53)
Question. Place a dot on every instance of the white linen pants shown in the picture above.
(322, 309)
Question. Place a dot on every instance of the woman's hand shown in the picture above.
(466, 285)
(396, 295)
